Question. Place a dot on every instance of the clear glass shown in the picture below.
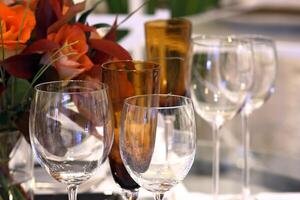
(127, 78)
(158, 140)
(222, 71)
(71, 129)
(265, 66)
(16, 166)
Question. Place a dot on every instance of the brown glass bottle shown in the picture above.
(117, 167)
(126, 79)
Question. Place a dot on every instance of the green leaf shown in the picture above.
(16, 193)
(83, 17)
(121, 33)
(101, 25)
(19, 87)
(151, 6)
(4, 186)
(5, 122)
(189, 7)
(117, 6)
(4, 119)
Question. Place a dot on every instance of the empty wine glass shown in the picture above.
(265, 65)
(221, 76)
(71, 129)
(158, 140)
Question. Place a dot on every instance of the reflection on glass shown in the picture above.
(71, 130)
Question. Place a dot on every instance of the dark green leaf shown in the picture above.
(5, 122)
(117, 6)
(151, 6)
(16, 193)
(83, 17)
(121, 34)
(14, 94)
(4, 186)
(101, 25)
(189, 7)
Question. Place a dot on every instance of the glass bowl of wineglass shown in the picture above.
(71, 129)
(158, 140)
(222, 71)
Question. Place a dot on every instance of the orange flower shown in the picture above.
(11, 24)
(73, 38)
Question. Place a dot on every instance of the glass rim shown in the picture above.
(167, 58)
(157, 22)
(255, 37)
(200, 39)
(187, 99)
(152, 65)
(103, 86)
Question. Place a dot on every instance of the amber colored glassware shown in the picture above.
(127, 78)
(168, 43)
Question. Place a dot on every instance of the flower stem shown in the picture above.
(2, 71)
(22, 25)
(41, 71)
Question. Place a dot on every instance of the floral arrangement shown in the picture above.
(45, 40)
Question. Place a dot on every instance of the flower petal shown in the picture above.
(41, 46)
(73, 10)
(21, 65)
(110, 48)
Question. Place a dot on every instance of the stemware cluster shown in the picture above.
(149, 138)
(231, 74)
(221, 76)
(72, 124)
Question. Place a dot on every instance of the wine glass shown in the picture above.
(158, 141)
(71, 129)
(127, 78)
(222, 70)
(265, 65)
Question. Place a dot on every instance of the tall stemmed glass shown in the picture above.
(127, 78)
(158, 140)
(265, 65)
(71, 130)
(221, 76)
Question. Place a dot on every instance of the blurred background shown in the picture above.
(275, 128)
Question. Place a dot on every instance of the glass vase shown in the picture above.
(16, 167)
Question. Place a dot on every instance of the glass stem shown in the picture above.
(216, 161)
(130, 194)
(246, 150)
(159, 196)
(72, 192)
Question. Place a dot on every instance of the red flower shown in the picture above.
(72, 58)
